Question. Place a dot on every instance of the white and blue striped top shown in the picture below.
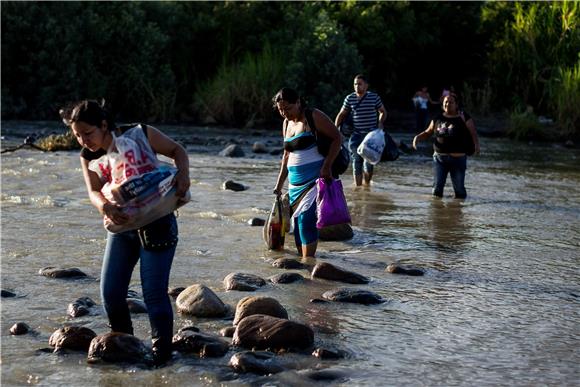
(365, 116)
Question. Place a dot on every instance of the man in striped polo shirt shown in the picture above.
(364, 106)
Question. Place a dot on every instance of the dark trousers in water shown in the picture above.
(121, 255)
(455, 167)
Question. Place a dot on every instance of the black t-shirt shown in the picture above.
(89, 155)
(451, 134)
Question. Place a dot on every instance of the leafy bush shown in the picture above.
(241, 93)
(564, 91)
(525, 126)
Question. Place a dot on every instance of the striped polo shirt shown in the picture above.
(365, 116)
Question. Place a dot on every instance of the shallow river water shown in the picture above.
(499, 303)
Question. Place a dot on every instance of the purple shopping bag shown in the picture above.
(331, 205)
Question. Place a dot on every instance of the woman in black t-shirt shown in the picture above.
(455, 139)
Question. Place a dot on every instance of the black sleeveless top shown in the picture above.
(89, 155)
(301, 141)
(451, 134)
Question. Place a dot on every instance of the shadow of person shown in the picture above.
(449, 228)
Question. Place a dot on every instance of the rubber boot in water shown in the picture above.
(161, 350)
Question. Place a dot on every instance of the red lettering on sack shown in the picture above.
(130, 156)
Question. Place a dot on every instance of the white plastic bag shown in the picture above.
(371, 148)
(136, 180)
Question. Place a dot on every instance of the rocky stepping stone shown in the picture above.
(339, 232)
(395, 268)
(286, 278)
(356, 296)
(251, 305)
(204, 345)
(19, 328)
(288, 263)
(200, 301)
(266, 332)
(256, 222)
(257, 362)
(54, 272)
(73, 337)
(116, 347)
(233, 186)
(243, 282)
(80, 307)
(325, 270)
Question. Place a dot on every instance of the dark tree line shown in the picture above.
(222, 61)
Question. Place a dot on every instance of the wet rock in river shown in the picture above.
(259, 147)
(189, 328)
(54, 272)
(200, 301)
(327, 354)
(256, 222)
(288, 263)
(232, 150)
(80, 307)
(7, 293)
(276, 151)
(356, 296)
(228, 331)
(266, 332)
(257, 362)
(339, 232)
(243, 282)
(395, 268)
(74, 337)
(19, 328)
(174, 292)
(136, 305)
(251, 305)
(328, 271)
(326, 375)
(286, 278)
(233, 186)
(200, 343)
(116, 347)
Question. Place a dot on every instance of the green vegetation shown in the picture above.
(223, 61)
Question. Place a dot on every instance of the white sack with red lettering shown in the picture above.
(136, 180)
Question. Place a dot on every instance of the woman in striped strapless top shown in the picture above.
(302, 164)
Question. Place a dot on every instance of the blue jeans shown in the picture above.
(122, 252)
(455, 167)
(358, 163)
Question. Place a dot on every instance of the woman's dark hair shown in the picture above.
(88, 111)
(289, 95)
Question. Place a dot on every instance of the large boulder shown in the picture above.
(257, 362)
(248, 306)
(200, 301)
(328, 271)
(266, 332)
(73, 337)
(356, 296)
(116, 347)
(338, 232)
(243, 282)
(202, 344)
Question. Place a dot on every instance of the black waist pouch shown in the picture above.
(160, 234)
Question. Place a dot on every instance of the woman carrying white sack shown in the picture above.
(155, 243)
